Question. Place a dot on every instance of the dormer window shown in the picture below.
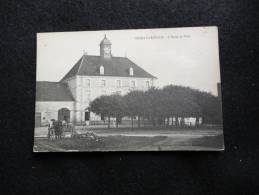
(131, 73)
(101, 70)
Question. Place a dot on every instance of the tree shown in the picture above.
(109, 106)
(102, 106)
(180, 102)
(135, 102)
(160, 104)
(131, 108)
(155, 105)
(117, 108)
(210, 107)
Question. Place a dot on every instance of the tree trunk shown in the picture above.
(132, 122)
(182, 122)
(176, 121)
(197, 122)
(109, 120)
(153, 122)
(138, 121)
(117, 120)
(117, 123)
(167, 122)
(160, 121)
(143, 119)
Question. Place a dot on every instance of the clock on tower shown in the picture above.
(105, 48)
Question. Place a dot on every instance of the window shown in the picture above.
(147, 84)
(87, 83)
(87, 116)
(103, 83)
(118, 92)
(101, 70)
(131, 71)
(133, 84)
(118, 83)
(103, 92)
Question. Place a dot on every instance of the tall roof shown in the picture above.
(52, 91)
(114, 66)
(105, 41)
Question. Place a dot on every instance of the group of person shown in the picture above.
(56, 129)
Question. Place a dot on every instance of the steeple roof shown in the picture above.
(105, 41)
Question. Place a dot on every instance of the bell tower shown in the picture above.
(105, 48)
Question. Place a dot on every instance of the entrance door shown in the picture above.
(87, 116)
(64, 114)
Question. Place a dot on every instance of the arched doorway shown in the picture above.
(64, 114)
(87, 114)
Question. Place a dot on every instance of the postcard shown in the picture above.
(128, 90)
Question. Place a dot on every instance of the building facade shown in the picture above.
(91, 77)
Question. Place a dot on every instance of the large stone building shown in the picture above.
(89, 78)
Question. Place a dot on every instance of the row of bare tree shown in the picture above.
(158, 105)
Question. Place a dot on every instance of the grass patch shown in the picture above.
(130, 143)
(106, 143)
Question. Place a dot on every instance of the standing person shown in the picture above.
(64, 123)
(57, 126)
(64, 127)
(50, 128)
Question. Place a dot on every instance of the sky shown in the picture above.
(178, 56)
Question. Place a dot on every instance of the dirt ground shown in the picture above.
(141, 141)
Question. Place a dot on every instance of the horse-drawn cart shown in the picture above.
(59, 130)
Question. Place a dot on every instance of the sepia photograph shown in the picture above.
(128, 90)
